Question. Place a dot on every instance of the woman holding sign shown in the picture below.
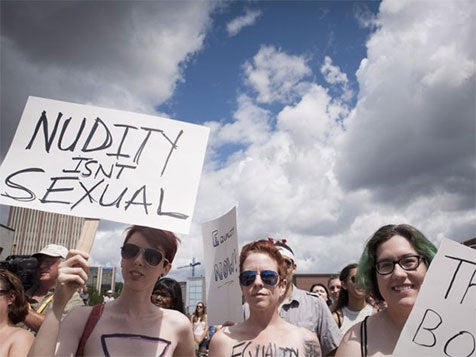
(131, 325)
(263, 283)
(392, 268)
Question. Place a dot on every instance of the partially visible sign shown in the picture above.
(443, 320)
(220, 243)
(102, 163)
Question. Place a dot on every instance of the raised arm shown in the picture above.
(72, 273)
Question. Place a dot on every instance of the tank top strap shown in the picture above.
(93, 319)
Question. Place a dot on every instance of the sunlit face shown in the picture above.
(136, 272)
(399, 288)
(334, 288)
(259, 295)
(319, 290)
(351, 286)
(48, 269)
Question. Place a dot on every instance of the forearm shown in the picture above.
(34, 320)
(45, 341)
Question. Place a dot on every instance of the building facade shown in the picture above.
(35, 229)
(102, 278)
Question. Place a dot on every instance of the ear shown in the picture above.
(282, 287)
(10, 299)
(167, 268)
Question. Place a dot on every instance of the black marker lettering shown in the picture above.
(78, 135)
(8, 181)
(43, 122)
(144, 202)
(52, 189)
(88, 193)
(171, 214)
(107, 140)
(422, 341)
(116, 202)
(119, 148)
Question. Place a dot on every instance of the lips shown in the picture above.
(136, 274)
(403, 288)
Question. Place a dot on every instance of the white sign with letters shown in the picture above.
(443, 320)
(102, 163)
(220, 244)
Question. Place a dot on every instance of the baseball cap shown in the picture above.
(53, 250)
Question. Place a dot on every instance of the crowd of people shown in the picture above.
(361, 311)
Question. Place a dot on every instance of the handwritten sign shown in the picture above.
(102, 163)
(443, 320)
(220, 242)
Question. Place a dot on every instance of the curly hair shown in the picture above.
(367, 274)
(157, 237)
(266, 247)
(18, 309)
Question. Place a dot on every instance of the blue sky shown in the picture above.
(328, 119)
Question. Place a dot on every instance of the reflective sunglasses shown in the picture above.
(151, 256)
(410, 262)
(268, 277)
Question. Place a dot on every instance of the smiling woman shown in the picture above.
(109, 329)
(392, 268)
(263, 283)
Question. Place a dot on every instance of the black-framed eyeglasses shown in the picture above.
(409, 262)
(151, 256)
(353, 279)
(289, 262)
(268, 277)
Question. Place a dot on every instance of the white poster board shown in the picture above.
(443, 320)
(220, 244)
(102, 163)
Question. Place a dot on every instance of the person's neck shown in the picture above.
(135, 303)
(261, 319)
(287, 294)
(44, 288)
(356, 303)
(397, 317)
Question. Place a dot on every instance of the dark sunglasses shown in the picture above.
(352, 279)
(151, 256)
(268, 277)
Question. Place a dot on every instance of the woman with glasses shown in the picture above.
(391, 268)
(131, 325)
(14, 341)
(199, 321)
(351, 306)
(263, 284)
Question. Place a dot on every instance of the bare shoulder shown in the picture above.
(175, 317)
(76, 319)
(22, 336)
(350, 343)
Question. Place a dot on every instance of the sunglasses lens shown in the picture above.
(129, 251)
(153, 257)
(269, 277)
(247, 277)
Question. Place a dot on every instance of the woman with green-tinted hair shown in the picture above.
(392, 268)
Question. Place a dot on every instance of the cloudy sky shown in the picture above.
(328, 119)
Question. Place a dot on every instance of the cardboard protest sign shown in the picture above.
(102, 163)
(443, 320)
(220, 242)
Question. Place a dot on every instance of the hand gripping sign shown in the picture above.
(102, 163)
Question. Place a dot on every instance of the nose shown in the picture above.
(398, 271)
(139, 259)
(258, 280)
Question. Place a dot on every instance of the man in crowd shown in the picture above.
(41, 294)
(108, 297)
(305, 309)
